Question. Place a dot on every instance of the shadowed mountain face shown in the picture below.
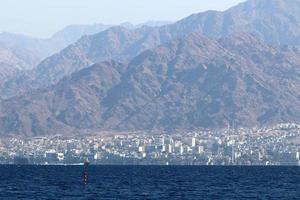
(84, 89)
(276, 22)
(186, 84)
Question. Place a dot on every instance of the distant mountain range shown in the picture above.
(275, 22)
(208, 70)
(186, 84)
(72, 33)
(26, 53)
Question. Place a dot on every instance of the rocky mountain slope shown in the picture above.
(31, 51)
(208, 70)
(186, 84)
(276, 22)
(10, 64)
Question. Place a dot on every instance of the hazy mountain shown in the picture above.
(33, 50)
(72, 33)
(18, 52)
(10, 64)
(30, 50)
(186, 84)
(117, 43)
(276, 22)
(190, 81)
(26, 53)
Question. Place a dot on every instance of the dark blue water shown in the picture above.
(149, 182)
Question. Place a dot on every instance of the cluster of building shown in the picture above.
(278, 145)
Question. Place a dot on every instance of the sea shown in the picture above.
(148, 182)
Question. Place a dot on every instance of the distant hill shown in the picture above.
(183, 85)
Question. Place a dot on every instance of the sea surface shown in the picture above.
(149, 182)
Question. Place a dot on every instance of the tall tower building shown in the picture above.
(193, 142)
(201, 149)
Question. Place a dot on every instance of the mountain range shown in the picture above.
(20, 52)
(185, 84)
(275, 22)
(239, 66)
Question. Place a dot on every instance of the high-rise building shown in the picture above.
(167, 148)
(182, 150)
(200, 149)
(298, 155)
(170, 148)
(163, 142)
(193, 142)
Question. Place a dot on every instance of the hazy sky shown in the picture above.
(44, 17)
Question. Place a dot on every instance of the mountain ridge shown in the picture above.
(256, 17)
(207, 81)
(240, 66)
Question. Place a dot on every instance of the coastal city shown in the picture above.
(277, 145)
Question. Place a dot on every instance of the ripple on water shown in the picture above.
(149, 182)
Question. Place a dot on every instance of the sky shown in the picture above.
(42, 18)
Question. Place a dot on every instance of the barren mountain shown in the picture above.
(10, 64)
(276, 22)
(199, 72)
(186, 84)
(31, 51)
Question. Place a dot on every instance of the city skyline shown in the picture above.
(276, 145)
